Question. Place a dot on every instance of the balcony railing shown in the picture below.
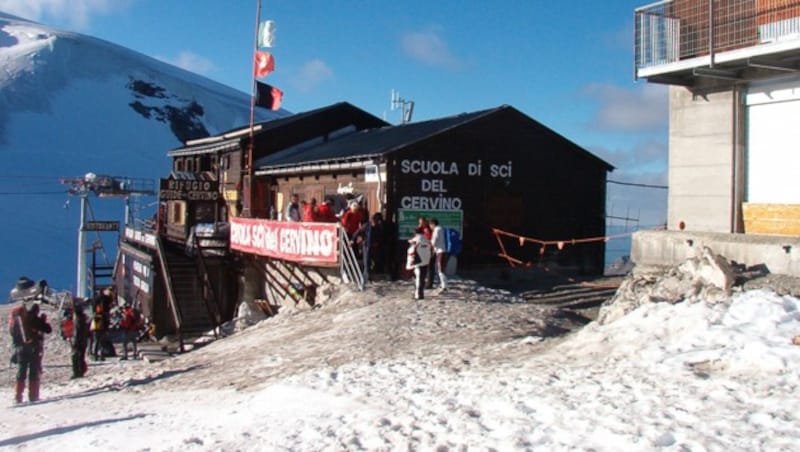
(674, 30)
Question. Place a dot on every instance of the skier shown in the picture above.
(28, 327)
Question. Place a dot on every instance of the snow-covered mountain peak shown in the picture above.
(72, 104)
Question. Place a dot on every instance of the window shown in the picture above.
(175, 212)
(204, 212)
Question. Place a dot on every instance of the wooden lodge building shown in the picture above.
(494, 168)
(220, 239)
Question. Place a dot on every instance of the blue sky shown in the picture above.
(569, 65)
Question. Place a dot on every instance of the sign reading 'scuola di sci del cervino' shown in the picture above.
(299, 242)
(433, 193)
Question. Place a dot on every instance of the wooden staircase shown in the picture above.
(188, 290)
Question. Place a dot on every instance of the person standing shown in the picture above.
(80, 339)
(326, 214)
(439, 243)
(102, 320)
(377, 244)
(130, 325)
(311, 211)
(293, 209)
(427, 231)
(419, 255)
(351, 220)
(27, 328)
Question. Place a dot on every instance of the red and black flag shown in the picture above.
(267, 96)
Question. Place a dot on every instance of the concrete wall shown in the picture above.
(701, 147)
(781, 254)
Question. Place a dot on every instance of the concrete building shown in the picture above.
(733, 67)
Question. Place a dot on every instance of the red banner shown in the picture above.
(299, 242)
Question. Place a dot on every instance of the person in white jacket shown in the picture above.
(419, 255)
(439, 242)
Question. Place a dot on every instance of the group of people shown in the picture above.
(355, 220)
(84, 330)
(427, 256)
(352, 218)
(127, 320)
(310, 211)
(428, 250)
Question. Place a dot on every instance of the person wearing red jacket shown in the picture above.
(326, 214)
(351, 220)
(130, 325)
(27, 328)
(311, 211)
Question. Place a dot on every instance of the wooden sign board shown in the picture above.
(101, 226)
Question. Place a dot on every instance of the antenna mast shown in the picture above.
(406, 107)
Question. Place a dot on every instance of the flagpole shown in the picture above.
(249, 164)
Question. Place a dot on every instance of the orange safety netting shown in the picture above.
(559, 244)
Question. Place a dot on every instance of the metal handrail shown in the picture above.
(348, 261)
(215, 317)
(667, 31)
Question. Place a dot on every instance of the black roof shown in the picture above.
(367, 144)
(210, 144)
(275, 123)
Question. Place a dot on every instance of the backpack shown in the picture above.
(67, 328)
(17, 325)
(453, 241)
(132, 320)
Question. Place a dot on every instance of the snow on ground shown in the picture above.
(471, 368)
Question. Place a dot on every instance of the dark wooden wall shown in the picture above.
(554, 191)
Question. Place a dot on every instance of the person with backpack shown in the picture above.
(27, 328)
(419, 256)
(101, 321)
(427, 231)
(79, 339)
(439, 242)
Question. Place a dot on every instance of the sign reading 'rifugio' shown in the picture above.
(188, 190)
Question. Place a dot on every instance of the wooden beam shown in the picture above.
(777, 219)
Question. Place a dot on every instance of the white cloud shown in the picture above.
(641, 111)
(191, 62)
(647, 155)
(642, 108)
(76, 13)
(311, 75)
(429, 48)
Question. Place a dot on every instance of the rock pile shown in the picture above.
(706, 277)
